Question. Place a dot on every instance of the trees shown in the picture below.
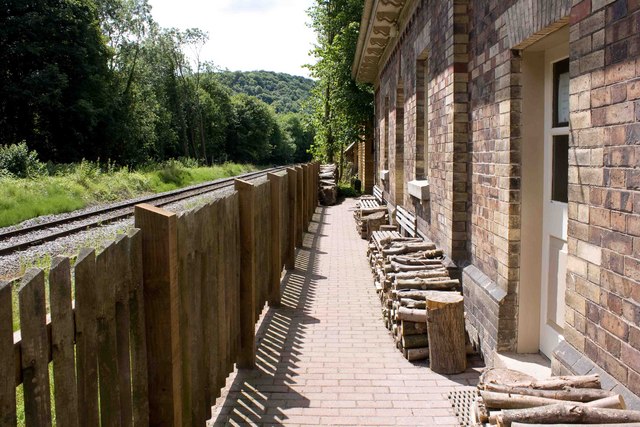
(54, 71)
(343, 109)
(99, 79)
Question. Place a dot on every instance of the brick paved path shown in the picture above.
(324, 357)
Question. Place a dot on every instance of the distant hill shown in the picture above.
(283, 91)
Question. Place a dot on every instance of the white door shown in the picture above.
(554, 223)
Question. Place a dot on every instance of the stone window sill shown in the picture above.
(419, 189)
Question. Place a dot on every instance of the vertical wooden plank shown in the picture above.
(263, 244)
(139, 377)
(300, 207)
(7, 359)
(161, 307)
(305, 197)
(120, 262)
(232, 274)
(212, 328)
(219, 296)
(246, 193)
(35, 349)
(108, 373)
(292, 177)
(276, 239)
(86, 340)
(62, 341)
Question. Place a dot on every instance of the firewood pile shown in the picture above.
(408, 274)
(328, 191)
(370, 216)
(512, 398)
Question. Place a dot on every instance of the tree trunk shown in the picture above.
(567, 413)
(569, 393)
(415, 341)
(558, 383)
(414, 354)
(516, 401)
(412, 315)
(445, 326)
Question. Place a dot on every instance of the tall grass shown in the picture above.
(73, 187)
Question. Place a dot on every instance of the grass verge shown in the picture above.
(87, 184)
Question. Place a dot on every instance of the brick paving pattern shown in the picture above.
(324, 357)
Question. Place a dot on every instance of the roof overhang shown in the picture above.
(379, 29)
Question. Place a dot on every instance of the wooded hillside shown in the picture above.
(100, 79)
(284, 92)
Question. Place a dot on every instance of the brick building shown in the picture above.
(523, 119)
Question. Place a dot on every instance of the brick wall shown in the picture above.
(444, 218)
(474, 133)
(603, 283)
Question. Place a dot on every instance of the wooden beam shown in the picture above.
(161, 305)
(247, 196)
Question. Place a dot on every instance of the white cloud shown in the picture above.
(246, 34)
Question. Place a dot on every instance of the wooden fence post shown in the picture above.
(276, 236)
(290, 262)
(247, 195)
(299, 206)
(305, 177)
(162, 311)
(7, 359)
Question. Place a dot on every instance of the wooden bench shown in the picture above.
(406, 221)
(377, 193)
(369, 203)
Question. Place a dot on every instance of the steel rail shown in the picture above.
(156, 200)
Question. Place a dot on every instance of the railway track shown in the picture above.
(15, 240)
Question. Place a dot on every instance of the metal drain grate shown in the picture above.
(462, 402)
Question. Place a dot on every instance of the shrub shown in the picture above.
(17, 160)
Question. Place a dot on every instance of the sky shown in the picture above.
(246, 35)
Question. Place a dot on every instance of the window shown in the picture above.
(422, 118)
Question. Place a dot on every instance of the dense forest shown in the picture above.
(284, 92)
(99, 79)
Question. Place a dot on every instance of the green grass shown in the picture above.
(85, 184)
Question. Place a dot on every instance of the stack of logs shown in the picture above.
(370, 216)
(328, 191)
(412, 281)
(512, 398)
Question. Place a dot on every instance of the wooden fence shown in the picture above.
(147, 331)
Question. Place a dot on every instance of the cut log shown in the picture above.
(517, 401)
(428, 284)
(412, 303)
(408, 247)
(567, 413)
(429, 272)
(412, 328)
(419, 294)
(445, 326)
(412, 315)
(558, 383)
(414, 354)
(415, 341)
(614, 402)
(397, 267)
(502, 376)
(568, 393)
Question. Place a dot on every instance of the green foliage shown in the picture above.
(17, 160)
(284, 92)
(86, 183)
(346, 190)
(342, 109)
(100, 79)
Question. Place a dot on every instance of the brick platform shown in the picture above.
(324, 357)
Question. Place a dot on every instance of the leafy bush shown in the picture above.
(345, 190)
(16, 160)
